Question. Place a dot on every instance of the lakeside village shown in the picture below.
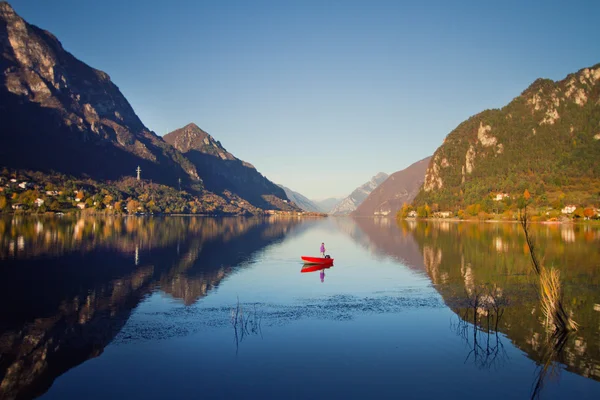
(502, 206)
(38, 193)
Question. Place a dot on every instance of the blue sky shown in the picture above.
(322, 95)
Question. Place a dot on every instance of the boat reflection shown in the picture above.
(315, 268)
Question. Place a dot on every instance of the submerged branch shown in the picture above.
(550, 286)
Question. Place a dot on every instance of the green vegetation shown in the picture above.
(545, 141)
(28, 191)
(460, 258)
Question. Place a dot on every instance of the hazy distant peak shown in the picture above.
(350, 203)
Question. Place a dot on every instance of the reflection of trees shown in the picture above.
(480, 312)
(497, 254)
(65, 307)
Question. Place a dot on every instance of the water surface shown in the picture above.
(181, 308)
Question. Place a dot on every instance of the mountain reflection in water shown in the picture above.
(71, 286)
(462, 258)
(78, 303)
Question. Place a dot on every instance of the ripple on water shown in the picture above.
(182, 320)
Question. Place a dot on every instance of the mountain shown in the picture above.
(349, 204)
(327, 204)
(300, 200)
(222, 172)
(59, 114)
(546, 140)
(400, 187)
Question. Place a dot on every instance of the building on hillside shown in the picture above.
(570, 209)
(19, 206)
(442, 214)
(381, 213)
(81, 206)
(39, 202)
(501, 196)
(412, 214)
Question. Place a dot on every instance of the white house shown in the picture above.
(568, 209)
(501, 196)
(39, 202)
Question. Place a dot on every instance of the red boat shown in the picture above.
(317, 260)
(315, 267)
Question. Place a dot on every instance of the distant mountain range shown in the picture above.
(350, 203)
(400, 187)
(546, 140)
(301, 201)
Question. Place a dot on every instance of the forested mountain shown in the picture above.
(547, 140)
(221, 171)
(349, 204)
(59, 114)
(399, 188)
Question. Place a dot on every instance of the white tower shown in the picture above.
(138, 170)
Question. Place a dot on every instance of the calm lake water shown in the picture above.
(182, 308)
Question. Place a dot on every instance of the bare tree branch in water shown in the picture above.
(550, 286)
(244, 325)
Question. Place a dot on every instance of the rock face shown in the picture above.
(301, 201)
(60, 114)
(350, 203)
(221, 171)
(544, 140)
(400, 187)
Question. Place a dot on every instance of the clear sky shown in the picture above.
(322, 95)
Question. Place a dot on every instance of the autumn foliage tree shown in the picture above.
(589, 212)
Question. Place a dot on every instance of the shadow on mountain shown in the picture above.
(70, 298)
(235, 176)
(74, 121)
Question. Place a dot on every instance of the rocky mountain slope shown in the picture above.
(350, 203)
(400, 187)
(62, 115)
(300, 200)
(222, 172)
(547, 140)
